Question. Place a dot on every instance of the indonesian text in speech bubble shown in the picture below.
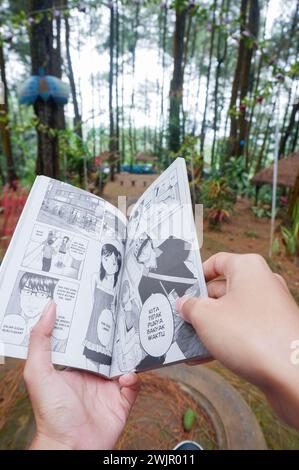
(156, 325)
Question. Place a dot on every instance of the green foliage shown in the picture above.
(262, 210)
(189, 419)
(275, 247)
(290, 236)
(73, 152)
(237, 176)
(263, 207)
(251, 234)
(218, 200)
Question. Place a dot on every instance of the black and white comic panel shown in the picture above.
(55, 251)
(150, 332)
(159, 203)
(99, 338)
(72, 209)
(113, 226)
(29, 296)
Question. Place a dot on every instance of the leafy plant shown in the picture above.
(290, 236)
(262, 210)
(237, 175)
(275, 246)
(218, 199)
(251, 234)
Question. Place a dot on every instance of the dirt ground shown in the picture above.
(247, 233)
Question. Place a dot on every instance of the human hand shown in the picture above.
(73, 409)
(249, 324)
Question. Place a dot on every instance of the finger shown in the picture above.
(218, 265)
(129, 387)
(282, 281)
(197, 311)
(39, 351)
(217, 288)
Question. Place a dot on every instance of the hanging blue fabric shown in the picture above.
(44, 87)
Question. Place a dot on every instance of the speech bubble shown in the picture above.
(13, 329)
(65, 295)
(78, 249)
(39, 233)
(156, 325)
(104, 327)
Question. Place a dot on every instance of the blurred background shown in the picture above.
(105, 94)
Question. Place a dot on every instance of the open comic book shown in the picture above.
(115, 280)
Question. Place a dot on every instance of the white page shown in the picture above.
(162, 262)
(57, 252)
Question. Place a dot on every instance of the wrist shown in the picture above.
(43, 442)
(283, 392)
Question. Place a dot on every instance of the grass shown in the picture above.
(251, 234)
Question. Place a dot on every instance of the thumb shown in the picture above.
(130, 386)
(197, 311)
(39, 351)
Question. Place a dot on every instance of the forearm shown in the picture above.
(283, 395)
(283, 390)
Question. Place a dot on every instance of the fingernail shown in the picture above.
(47, 308)
(180, 302)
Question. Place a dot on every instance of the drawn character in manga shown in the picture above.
(32, 293)
(48, 251)
(135, 220)
(98, 343)
(56, 252)
(62, 251)
(165, 271)
(129, 351)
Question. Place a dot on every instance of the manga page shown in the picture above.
(162, 263)
(68, 246)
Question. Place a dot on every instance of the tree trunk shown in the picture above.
(288, 131)
(176, 84)
(111, 112)
(70, 74)
(221, 55)
(249, 23)
(203, 126)
(49, 114)
(117, 131)
(293, 197)
(4, 123)
(163, 30)
(77, 117)
(132, 127)
(235, 86)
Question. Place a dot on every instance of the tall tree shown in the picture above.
(117, 113)
(203, 125)
(162, 48)
(77, 121)
(112, 138)
(45, 55)
(249, 27)
(4, 123)
(70, 74)
(221, 55)
(133, 46)
(291, 126)
(176, 84)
